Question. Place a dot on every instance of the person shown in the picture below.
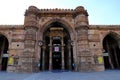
(73, 66)
(39, 66)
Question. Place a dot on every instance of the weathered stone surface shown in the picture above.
(94, 38)
(94, 45)
(17, 45)
(99, 68)
(15, 52)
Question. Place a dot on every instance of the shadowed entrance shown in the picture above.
(3, 52)
(111, 51)
(56, 52)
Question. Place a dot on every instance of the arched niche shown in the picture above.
(57, 43)
(4, 44)
(111, 51)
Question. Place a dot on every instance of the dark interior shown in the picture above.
(111, 48)
(3, 51)
(56, 45)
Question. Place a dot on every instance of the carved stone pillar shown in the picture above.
(43, 58)
(63, 63)
(69, 47)
(50, 55)
(116, 58)
(109, 56)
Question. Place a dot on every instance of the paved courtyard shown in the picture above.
(62, 75)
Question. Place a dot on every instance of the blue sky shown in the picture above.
(101, 12)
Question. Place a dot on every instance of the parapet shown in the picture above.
(74, 12)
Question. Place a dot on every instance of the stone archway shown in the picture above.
(56, 51)
(3, 52)
(65, 24)
(111, 51)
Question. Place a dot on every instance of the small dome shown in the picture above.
(79, 8)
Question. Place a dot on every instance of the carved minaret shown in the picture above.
(81, 27)
(29, 59)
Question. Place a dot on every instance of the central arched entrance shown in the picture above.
(111, 51)
(56, 52)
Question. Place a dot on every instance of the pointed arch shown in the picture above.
(114, 35)
(4, 45)
(64, 24)
(111, 51)
(60, 41)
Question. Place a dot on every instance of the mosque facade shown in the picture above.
(58, 39)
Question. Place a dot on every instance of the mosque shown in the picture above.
(58, 39)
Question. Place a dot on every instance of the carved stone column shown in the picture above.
(69, 47)
(109, 56)
(116, 58)
(50, 55)
(63, 63)
(43, 58)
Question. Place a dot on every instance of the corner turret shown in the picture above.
(81, 17)
(31, 17)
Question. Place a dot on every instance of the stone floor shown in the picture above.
(62, 75)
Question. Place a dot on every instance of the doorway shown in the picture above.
(57, 55)
(111, 51)
(3, 53)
